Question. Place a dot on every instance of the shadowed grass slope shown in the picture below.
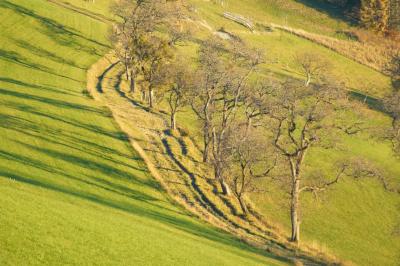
(72, 189)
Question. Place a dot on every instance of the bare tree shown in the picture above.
(139, 21)
(246, 164)
(180, 35)
(178, 92)
(243, 62)
(120, 35)
(392, 106)
(312, 65)
(222, 78)
(179, 28)
(158, 56)
(138, 18)
(210, 75)
(256, 100)
(301, 117)
(394, 71)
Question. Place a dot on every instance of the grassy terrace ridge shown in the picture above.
(175, 161)
(72, 189)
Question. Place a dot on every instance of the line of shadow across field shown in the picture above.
(159, 214)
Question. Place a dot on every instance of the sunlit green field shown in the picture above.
(72, 191)
(355, 219)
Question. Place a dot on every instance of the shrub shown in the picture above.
(184, 132)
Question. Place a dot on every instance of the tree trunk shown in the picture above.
(126, 72)
(132, 82)
(308, 81)
(150, 97)
(243, 206)
(224, 186)
(294, 210)
(218, 176)
(248, 127)
(206, 144)
(173, 121)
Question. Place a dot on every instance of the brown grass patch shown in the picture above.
(370, 49)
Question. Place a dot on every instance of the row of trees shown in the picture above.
(144, 39)
(252, 126)
(379, 15)
(392, 105)
(255, 127)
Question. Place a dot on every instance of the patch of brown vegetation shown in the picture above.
(369, 49)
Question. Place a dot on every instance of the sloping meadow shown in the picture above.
(72, 189)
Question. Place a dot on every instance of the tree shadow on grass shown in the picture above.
(16, 58)
(331, 10)
(47, 54)
(372, 102)
(90, 127)
(100, 79)
(156, 214)
(34, 86)
(107, 158)
(94, 166)
(112, 173)
(97, 182)
(83, 11)
(201, 197)
(60, 33)
(55, 102)
(66, 139)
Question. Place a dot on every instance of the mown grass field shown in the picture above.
(72, 191)
(355, 220)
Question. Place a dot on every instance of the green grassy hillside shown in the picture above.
(355, 220)
(72, 191)
(281, 47)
